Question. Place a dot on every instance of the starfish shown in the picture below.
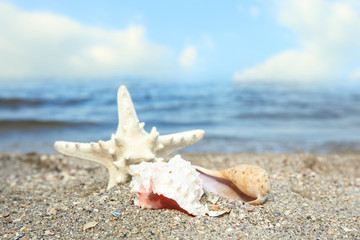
(131, 144)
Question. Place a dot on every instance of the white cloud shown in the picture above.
(254, 12)
(206, 43)
(41, 45)
(355, 75)
(328, 33)
(287, 66)
(188, 57)
(251, 11)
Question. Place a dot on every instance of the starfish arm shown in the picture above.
(126, 111)
(173, 142)
(89, 151)
(118, 175)
(100, 152)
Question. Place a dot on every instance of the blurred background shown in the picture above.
(257, 76)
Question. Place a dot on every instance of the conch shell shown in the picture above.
(247, 183)
(172, 185)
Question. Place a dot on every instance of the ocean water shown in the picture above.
(235, 117)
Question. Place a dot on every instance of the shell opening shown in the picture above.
(223, 187)
(159, 201)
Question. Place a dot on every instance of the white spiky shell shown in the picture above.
(176, 180)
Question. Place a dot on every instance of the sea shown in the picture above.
(236, 117)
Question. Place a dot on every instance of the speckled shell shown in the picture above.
(176, 180)
(248, 183)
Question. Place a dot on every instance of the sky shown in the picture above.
(243, 41)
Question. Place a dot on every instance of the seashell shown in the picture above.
(247, 183)
(172, 185)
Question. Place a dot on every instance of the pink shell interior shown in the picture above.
(149, 199)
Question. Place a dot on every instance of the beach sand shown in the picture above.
(54, 197)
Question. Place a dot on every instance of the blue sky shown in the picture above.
(258, 40)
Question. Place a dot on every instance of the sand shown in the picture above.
(54, 197)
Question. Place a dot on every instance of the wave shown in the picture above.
(38, 124)
(177, 123)
(21, 102)
(289, 116)
(16, 102)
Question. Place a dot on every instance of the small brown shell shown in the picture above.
(247, 183)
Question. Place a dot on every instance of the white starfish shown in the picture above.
(131, 144)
